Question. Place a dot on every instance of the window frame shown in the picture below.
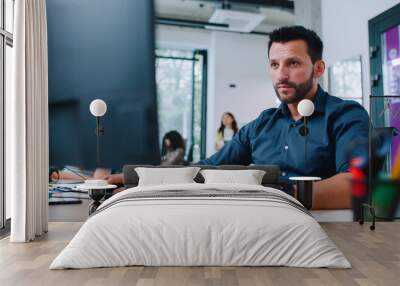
(376, 26)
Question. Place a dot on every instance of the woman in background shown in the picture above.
(173, 149)
(226, 131)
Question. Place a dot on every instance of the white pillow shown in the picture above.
(248, 177)
(164, 176)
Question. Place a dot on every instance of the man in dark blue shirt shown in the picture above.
(295, 58)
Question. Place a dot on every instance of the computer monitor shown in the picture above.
(102, 49)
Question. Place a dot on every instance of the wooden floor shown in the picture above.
(375, 256)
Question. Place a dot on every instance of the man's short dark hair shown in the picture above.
(292, 33)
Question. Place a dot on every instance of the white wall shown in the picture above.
(233, 58)
(182, 38)
(345, 31)
(308, 14)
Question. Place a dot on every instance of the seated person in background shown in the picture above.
(295, 61)
(226, 131)
(173, 149)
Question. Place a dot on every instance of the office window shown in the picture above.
(6, 43)
(181, 82)
(345, 79)
(174, 91)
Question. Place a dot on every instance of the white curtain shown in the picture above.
(27, 123)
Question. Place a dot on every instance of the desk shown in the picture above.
(69, 213)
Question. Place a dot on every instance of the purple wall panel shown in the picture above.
(394, 122)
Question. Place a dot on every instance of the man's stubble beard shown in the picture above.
(301, 90)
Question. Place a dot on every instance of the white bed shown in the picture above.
(185, 230)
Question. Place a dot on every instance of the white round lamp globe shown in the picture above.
(305, 107)
(98, 107)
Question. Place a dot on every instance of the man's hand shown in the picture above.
(101, 173)
(333, 193)
(116, 179)
(112, 179)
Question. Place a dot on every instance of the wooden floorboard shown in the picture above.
(374, 255)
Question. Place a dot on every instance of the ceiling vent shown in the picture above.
(238, 21)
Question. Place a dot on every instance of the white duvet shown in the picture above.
(200, 231)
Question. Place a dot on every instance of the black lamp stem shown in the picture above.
(305, 138)
(98, 133)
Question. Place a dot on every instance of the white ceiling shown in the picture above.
(202, 11)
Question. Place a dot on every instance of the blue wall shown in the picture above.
(102, 49)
